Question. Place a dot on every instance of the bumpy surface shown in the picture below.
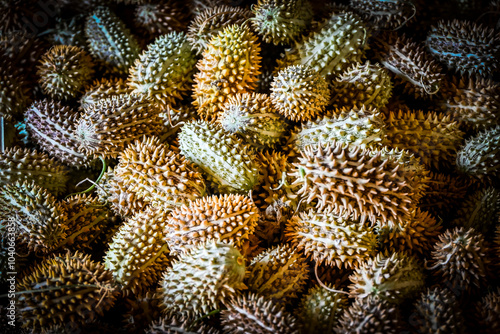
(159, 175)
(480, 154)
(384, 15)
(392, 278)
(253, 314)
(340, 175)
(164, 81)
(103, 89)
(14, 93)
(361, 85)
(279, 273)
(280, 21)
(64, 70)
(488, 312)
(179, 324)
(226, 159)
(64, 289)
(299, 93)
(254, 118)
(160, 17)
(331, 239)
(138, 253)
(202, 279)
(230, 65)
(229, 218)
(465, 46)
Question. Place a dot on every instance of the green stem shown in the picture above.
(201, 318)
(95, 183)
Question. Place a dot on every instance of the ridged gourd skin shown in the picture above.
(138, 252)
(160, 17)
(226, 160)
(164, 72)
(14, 92)
(121, 199)
(488, 312)
(159, 175)
(331, 239)
(479, 210)
(179, 324)
(110, 41)
(39, 218)
(279, 273)
(393, 277)
(254, 314)
(417, 235)
(320, 309)
(64, 289)
(434, 138)
(227, 218)
(87, 219)
(107, 127)
(299, 93)
(370, 315)
(363, 127)
(384, 15)
(103, 89)
(281, 22)
(52, 126)
(465, 46)
(362, 84)
(202, 279)
(416, 72)
(253, 117)
(22, 164)
(339, 42)
(339, 175)
(460, 259)
(64, 71)
(473, 101)
(480, 155)
(230, 64)
(437, 312)
(209, 22)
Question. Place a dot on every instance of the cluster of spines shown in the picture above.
(383, 15)
(160, 17)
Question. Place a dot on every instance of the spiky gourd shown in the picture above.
(339, 42)
(393, 278)
(226, 159)
(363, 127)
(299, 93)
(473, 101)
(384, 15)
(69, 32)
(349, 179)
(138, 253)
(163, 73)
(158, 175)
(438, 312)
(279, 273)
(331, 239)
(480, 211)
(22, 164)
(179, 324)
(229, 218)
(52, 126)
(64, 289)
(108, 126)
(64, 71)
(253, 117)
(202, 279)
(230, 65)
(415, 70)
(370, 315)
(14, 92)
(432, 137)
(417, 235)
(103, 89)
(254, 314)
(320, 309)
(488, 312)
(480, 155)
(361, 85)
(209, 22)
(160, 17)
(110, 41)
(281, 22)
(174, 118)
(460, 259)
(142, 310)
(39, 219)
(465, 46)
